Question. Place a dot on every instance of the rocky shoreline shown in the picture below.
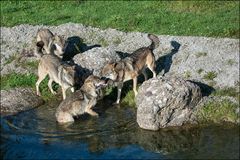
(213, 62)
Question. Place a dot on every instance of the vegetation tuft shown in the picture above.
(210, 75)
(199, 71)
(201, 54)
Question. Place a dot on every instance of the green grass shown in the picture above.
(30, 64)
(18, 80)
(129, 99)
(14, 80)
(231, 91)
(218, 112)
(127, 96)
(195, 18)
(225, 110)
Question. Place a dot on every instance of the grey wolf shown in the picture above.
(81, 101)
(59, 72)
(52, 44)
(131, 66)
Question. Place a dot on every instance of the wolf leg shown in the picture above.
(50, 86)
(120, 85)
(91, 112)
(135, 86)
(145, 74)
(64, 117)
(64, 92)
(41, 77)
(152, 69)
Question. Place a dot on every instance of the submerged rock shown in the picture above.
(166, 101)
(19, 99)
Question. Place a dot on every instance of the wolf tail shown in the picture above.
(155, 41)
(38, 50)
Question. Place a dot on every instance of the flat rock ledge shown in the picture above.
(18, 100)
(213, 61)
(166, 101)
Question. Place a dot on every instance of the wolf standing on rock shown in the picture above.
(130, 67)
(52, 44)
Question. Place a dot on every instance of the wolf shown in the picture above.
(52, 44)
(58, 71)
(81, 101)
(130, 67)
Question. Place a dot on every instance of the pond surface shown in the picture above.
(115, 134)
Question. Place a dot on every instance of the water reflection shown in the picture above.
(115, 134)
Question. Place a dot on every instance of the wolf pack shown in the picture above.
(50, 49)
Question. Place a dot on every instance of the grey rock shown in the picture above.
(96, 58)
(19, 99)
(166, 101)
(184, 56)
(20, 66)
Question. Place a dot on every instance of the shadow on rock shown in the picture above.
(81, 75)
(165, 62)
(75, 46)
(206, 90)
(123, 55)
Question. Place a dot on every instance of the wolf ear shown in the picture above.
(51, 43)
(54, 37)
(40, 44)
(67, 67)
(111, 62)
(118, 66)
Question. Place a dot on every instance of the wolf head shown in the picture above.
(110, 70)
(92, 85)
(58, 45)
(95, 81)
(69, 74)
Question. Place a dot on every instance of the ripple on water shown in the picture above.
(114, 134)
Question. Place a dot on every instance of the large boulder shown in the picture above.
(94, 59)
(19, 99)
(166, 101)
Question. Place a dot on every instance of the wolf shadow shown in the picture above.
(75, 45)
(165, 62)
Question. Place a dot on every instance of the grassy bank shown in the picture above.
(193, 18)
(26, 80)
(218, 112)
(222, 110)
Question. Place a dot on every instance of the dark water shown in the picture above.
(115, 134)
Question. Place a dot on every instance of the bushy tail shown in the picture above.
(38, 49)
(155, 41)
